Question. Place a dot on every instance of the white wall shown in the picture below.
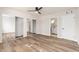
(43, 23)
(8, 23)
(0, 28)
(77, 25)
(33, 17)
(14, 12)
(43, 26)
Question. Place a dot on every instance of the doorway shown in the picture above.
(29, 26)
(18, 27)
(53, 29)
(34, 26)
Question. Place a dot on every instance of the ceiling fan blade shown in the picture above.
(36, 8)
(40, 8)
(31, 10)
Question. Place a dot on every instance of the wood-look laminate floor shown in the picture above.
(37, 43)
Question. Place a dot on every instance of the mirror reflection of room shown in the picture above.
(53, 27)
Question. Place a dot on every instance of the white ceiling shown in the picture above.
(45, 10)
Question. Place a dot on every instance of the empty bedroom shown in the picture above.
(39, 29)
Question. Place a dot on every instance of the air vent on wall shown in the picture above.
(69, 12)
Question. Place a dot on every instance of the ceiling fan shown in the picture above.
(37, 10)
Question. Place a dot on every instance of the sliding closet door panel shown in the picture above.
(19, 27)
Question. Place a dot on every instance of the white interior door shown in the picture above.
(67, 27)
(19, 26)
